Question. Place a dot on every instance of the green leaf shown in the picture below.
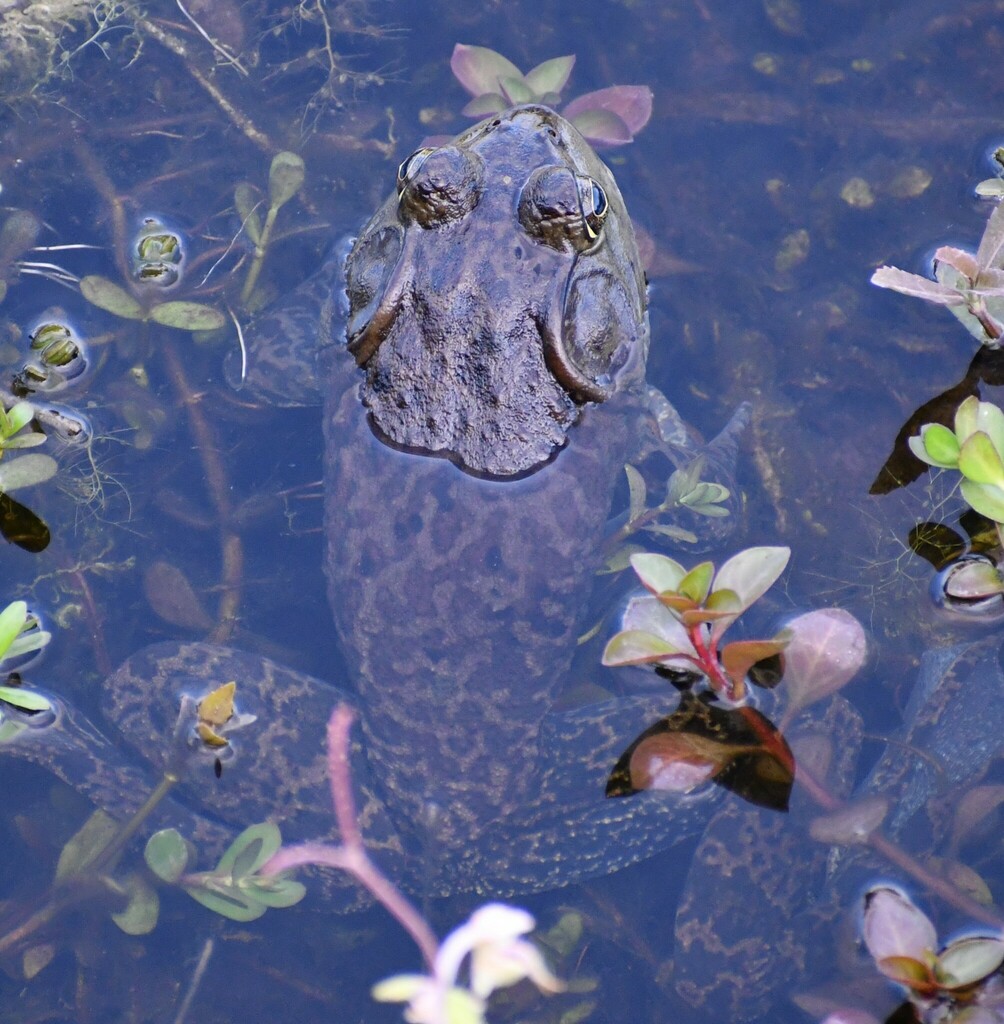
(634, 647)
(967, 417)
(250, 850)
(969, 960)
(227, 901)
(657, 572)
(246, 202)
(739, 657)
(551, 75)
(751, 573)
(188, 316)
(27, 471)
(724, 601)
(987, 500)
(90, 840)
(990, 419)
(285, 177)
(401, 988)
(697, 583)
(516, 90)
(140, 914)
(167, 855)
(485, 105)
(12, 620)
(602, 126)
(30, 639)
(980, 462)
(27, 700)
(673, 532)
(32, 440)
(712, 511)
(637, 492)
(683, 481)
(107, 295)
(940, 445)
(705, 493)
(19, 416)
(274, 890)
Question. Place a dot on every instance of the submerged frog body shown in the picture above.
(478, 410)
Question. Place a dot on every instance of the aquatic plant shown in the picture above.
(684, 490)
(491, 939)
(606, 117)
(954, 983)
(285, 179)
(974, 446)
(157, 256)
(236, 888)
(971, 285)
(682, 623)
(21, 634)
(27, 470)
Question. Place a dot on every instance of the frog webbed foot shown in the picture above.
(682, 488)
(571, 831)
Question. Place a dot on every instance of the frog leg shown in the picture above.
(571, 831)
(278, 360)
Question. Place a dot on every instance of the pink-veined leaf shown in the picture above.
(826, 649)
(895, 928)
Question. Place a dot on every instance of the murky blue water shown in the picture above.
(793, 148)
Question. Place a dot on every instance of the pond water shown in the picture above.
(793, 148)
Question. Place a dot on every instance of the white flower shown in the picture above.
(499, 958)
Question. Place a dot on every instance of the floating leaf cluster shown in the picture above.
(607, 117)
(970, 285)
(235, 888)
(682, 622)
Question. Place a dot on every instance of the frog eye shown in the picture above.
(562, 209)
(593, 200)
(410, 165)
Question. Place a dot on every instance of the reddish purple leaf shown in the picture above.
(602, 128)
(826, 649)
(479, 69)
(631, 103)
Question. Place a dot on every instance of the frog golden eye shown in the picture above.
(594, 206)
(410, 165)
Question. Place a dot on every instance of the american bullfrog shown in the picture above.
(481, 392)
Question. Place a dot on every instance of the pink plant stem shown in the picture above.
(898, 856)
(709, 664)
(351, 855)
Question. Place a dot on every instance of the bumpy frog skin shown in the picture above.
(497, 322)
(498, 291)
